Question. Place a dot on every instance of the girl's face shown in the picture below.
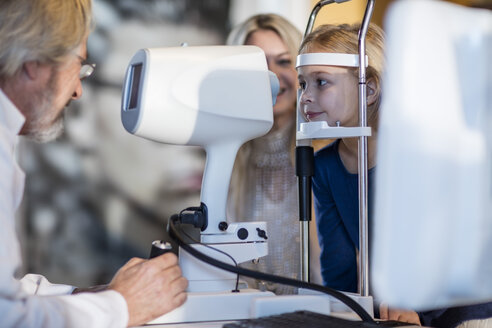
(330, 94)
(281, 63)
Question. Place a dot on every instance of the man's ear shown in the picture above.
(31, 69)
(372, 91)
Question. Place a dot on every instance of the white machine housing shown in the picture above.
(201, 96)
(216, 97)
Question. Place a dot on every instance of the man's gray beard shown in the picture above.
(40, 130)
(47, 134)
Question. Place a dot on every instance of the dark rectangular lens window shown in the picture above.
(136, 72)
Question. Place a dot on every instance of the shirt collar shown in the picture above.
(10, 115)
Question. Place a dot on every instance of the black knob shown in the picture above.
(261, 233)
(159, 247)
(242, 233)
(223, 226)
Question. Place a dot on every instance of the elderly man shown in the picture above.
(42, 62)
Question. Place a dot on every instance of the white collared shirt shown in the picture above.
(33, 301)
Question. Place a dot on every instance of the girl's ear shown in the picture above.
(372, 91)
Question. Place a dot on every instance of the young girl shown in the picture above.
(330, 93)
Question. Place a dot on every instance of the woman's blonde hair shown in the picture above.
(40, 30)
(344, 39)
(285, 30)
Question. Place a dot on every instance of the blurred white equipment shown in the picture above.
(433, 217)
(201, 96)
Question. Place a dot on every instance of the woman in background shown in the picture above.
(263, 183)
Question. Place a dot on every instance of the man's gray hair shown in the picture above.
(40, 30)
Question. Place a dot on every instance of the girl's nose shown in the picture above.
(306, 96)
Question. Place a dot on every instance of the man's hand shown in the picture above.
(387, 313)
(151, 288)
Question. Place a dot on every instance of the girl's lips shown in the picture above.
(312, 115)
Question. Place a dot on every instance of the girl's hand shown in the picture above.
(388, 313)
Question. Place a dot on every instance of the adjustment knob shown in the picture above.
(242, 233)
(223, 226)
(159, 247)
(261, 233)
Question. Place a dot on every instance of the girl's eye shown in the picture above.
(302, 85)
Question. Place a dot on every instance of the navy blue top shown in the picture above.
(336, 206)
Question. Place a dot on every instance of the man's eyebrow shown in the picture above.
(81, 58)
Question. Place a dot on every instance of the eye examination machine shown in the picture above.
(215, 97)
(219, 97)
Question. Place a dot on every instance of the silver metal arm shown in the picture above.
(363, 281)
(313, 15)
(315, 11)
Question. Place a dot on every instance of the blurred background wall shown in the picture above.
(98, 195)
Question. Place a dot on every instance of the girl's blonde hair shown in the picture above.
(40, 30)
(344, 39)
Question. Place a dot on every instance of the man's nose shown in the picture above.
(78, 91)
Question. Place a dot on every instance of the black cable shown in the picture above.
(264, 276)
